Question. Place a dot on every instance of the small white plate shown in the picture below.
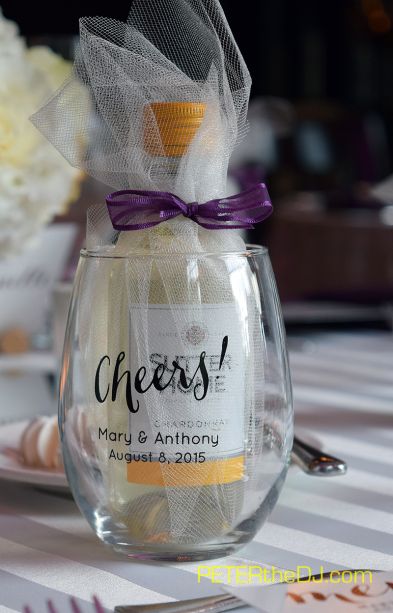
(12, 468)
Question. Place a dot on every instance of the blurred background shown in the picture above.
(321, 137)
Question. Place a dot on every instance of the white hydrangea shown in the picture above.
(36, 182)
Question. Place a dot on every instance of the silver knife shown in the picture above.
(316, 462)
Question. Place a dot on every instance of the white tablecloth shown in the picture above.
(343, 389)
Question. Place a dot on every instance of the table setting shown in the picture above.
(330, 522)
(172, 439)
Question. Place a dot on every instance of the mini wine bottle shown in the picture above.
(191, 487)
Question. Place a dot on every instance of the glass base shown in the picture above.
(200, 553)
(115, 536)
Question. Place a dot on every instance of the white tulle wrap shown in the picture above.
(169, 50)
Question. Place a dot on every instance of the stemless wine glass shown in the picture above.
(175, 400)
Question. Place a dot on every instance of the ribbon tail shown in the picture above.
(209, 223)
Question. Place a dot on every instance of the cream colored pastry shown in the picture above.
(40, 443)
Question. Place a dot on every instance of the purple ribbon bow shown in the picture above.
(137, 210)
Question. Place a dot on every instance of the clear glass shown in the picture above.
(205, 379)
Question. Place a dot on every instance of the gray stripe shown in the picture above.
(317, 380)
(354, 425)
(377, 351)
(327, 363)
(282, 558)
(374, 468)
(332, 367)
(367, 434)
(364, 498)
(173, 582)
(385, 435)
(334, 529)
(25, 499)
(304, 391)
(345, 400)
(17, 592)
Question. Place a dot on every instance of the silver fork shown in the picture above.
(75, 608)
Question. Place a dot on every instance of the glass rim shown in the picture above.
(251, 250)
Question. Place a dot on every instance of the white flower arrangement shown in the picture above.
(36, 182)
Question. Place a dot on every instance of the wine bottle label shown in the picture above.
(187, 424)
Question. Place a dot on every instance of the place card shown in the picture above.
(27, 280)
(368, 592)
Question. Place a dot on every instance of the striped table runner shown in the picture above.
(343, 389)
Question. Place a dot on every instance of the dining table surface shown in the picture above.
(343, 399)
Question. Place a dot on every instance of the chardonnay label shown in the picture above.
(187, 363)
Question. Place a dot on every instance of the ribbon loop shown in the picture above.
(138, 209)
